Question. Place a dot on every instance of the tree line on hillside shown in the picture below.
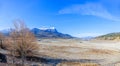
(20, 42)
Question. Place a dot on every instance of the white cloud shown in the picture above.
(93, 9)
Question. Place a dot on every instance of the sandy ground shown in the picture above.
(106, 53)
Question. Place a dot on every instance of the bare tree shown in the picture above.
(23, 41)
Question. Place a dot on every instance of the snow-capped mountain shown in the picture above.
(46, 28)
(49, 29)
(49, 33)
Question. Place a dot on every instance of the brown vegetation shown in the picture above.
(21, 42)
(1, 41)
(77, 64)
(101, 51)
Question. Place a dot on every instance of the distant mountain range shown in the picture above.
(53, 33)
(44, 33)
(87, 38)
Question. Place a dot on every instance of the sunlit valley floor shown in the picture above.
(72, 52)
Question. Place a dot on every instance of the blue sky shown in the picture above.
(76, 17)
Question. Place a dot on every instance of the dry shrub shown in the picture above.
(77, 64)
(7, 43)
(2, 37)
(23, 42)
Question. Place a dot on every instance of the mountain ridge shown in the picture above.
(49, 33)
(110, 36)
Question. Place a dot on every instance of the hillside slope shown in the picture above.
(110, 36)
